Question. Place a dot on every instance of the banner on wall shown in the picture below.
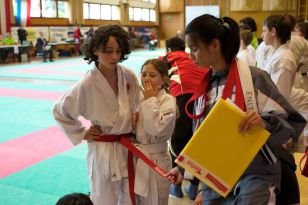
(52, 34)
(23, 13)
(33, 33)
(60, 34)
(5, 18)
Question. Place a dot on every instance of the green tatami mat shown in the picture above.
(21, 116)
(46, 182)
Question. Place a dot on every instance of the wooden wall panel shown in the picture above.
(171, 6)
(245, 5)
(169, 24)
(49, 22)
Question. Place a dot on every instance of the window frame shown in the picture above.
(131, 8)
(41, 10)
(112, 17)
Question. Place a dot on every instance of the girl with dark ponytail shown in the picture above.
(214, 42)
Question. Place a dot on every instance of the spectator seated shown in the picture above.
(42, 48)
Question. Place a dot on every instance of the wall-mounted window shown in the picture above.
(142, 14)
(46, 8)
(101, 11)
(151, 1)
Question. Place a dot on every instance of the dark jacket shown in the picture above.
(41, 43)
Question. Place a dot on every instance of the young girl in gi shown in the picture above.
(215, 42)
(156, 122)
(105, 96)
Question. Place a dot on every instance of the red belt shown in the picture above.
(125, 141)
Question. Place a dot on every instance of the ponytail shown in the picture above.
(231, 42)
(207, 27)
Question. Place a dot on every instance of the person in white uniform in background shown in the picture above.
(281, 65)
(155, 126)
(301, 29)
(244, 54)
(295, 93)
(299, 46)
(107, 96)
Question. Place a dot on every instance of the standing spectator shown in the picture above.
(253, 27)
(153, 40)
(43, 48)
(90, 32)
(301, 29)
(22, 35)
(77, 39)
(244, 54)
(1, 39)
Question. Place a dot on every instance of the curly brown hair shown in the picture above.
(100, 38)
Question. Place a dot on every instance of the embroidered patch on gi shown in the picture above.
(128, 88)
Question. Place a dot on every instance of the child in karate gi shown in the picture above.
(247, 57)
(215, 42)
(156, 122)
(107, 97)
(281, 64)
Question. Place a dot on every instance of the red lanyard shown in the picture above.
(233, 79)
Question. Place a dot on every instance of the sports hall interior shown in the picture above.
(38, 164)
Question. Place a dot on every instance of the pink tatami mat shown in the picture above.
(33, 94)
(40, 71)
(20, 153)
(25, 151)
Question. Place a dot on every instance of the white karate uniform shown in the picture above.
(252, 53)
(93, 98)
(262, 54)
(299, 100)
(281, 65)
(157, 116)
(247, 57)
(299, 47)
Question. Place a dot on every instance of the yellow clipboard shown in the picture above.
(218, 154)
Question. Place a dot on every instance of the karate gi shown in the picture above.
(299, 47)
(155, 126)
(93, 98)
(281, 65)
(246, 56)
(262, 54)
